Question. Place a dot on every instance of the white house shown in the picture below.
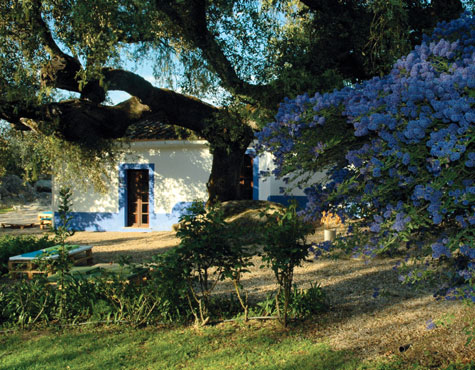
(157, 181)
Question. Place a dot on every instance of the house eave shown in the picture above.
(167, 143)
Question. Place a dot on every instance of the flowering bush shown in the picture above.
(406, 174)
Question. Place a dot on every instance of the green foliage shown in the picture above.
(284, 248)
(30, 154)
(206, 254)
(63, 230)
(118, 300)
(61, 265)
(82, 166)
(27, 303)
(388, 35)
(12, 245)
(225, 133)
(169, 282)
(303, 303)
(103, 296)
(307, 302)
(23, 154)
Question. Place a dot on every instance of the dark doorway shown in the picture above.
(245, 180)
(137, 198)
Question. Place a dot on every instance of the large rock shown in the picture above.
(246, 218)
(11, 185)
(43, 186)
(248, 212)
(13, 191)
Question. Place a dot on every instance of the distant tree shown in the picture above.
(23, 154)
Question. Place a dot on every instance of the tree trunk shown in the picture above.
(223, 184)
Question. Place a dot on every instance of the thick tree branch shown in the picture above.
(77, 120)
(169, 106)
(61, 72)
(193, 23)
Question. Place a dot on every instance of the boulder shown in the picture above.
(246, 218)
(43, 186)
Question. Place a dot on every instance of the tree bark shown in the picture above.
(223, 184)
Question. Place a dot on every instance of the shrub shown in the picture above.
(207, 254)
(284, 248)
(103, 297)
(406, 172)
(27, 302)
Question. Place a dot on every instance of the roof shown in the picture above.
(154, 130)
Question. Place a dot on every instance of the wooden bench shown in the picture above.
(16, 226)
(27, 263)
(45, 219)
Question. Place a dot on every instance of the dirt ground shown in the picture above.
(357, 321)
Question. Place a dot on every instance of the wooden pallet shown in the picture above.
(30, 266)
(45, 224)
(45, 219)
(17, 226)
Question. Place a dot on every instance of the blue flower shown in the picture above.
(375, 293)
(439, 250)
(467, 251)
(430, 325)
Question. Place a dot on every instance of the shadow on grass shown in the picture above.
(210, 348)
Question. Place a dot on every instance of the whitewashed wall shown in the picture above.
(270, 187)
(179, 171)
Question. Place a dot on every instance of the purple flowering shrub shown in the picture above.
(399, 151)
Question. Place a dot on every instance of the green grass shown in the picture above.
(208, 348)
(5, 210)
(223, 347)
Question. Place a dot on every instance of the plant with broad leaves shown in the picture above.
(207, 255)
(284, 248)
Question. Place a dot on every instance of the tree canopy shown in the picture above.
(59, 60)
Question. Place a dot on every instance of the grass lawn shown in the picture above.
(258, 346)
(5, 210)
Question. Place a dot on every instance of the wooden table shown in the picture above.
(27, 263)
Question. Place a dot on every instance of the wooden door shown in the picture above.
(245, 180)
(137, 198)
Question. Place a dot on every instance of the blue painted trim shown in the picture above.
(110, 221)
(123, 190)
(117, 221)
(255, 173)
(287, 199)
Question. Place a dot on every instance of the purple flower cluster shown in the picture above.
(412, 175)
(440, 249)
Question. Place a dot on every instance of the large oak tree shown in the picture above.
(246, 55)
